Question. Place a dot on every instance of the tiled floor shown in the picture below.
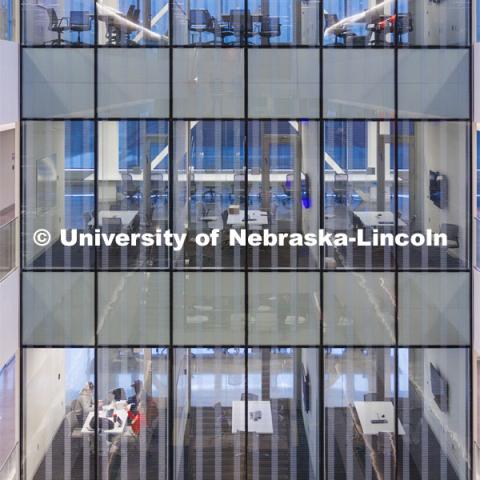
(7, 410)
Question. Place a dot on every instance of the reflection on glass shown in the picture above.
(283, 172)
(132, 413)
(284, 83)
(433, 180)
(133, 190)
(360, 23)
(58, 308)
(209, 308)
(58, 191)
(360, 414)
(284, 308)
(358, 83)
(359, 191)
(433, 409)
(58, 399)
(433, 83)
(209, 188)
(434, 308)
(69, 23)
(207, 437)
(133, 83)
(208, 83)
(57, 83)
(428, 23)
(359, 308)
(125, 23)
(133, 308)
(283, 416)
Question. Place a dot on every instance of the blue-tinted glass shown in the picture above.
(352, 154)
(79, 149)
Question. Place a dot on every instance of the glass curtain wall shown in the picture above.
(246, 361)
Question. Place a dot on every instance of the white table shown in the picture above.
(368, 411)
(378, 219)
(127, 216)
(122, 414)
(263, 425)
(255, 217)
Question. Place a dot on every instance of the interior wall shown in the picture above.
(44, 402)
(9, 67)
(7, 170)
(9, 317)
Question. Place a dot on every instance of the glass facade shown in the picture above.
(246, 362)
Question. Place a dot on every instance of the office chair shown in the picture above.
(270, 27)
(239, 25)
(340, 187)
(340, 31)
(134, 17)
(287, 188)
(79, 22)
(404, 22)
(200, 21)
(238, 189)
(451, 230)
(128, 187)
(112, 225)
(58, 26)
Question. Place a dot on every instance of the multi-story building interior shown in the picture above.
(230, 362)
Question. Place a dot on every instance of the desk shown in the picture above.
(368, 411)
(263, 425)
(127, 216)
(122, 414)
(255, 217)
(378, 219)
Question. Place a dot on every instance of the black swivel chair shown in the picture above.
(270, 27)
(200, 21)
(57, 25)
(340, 187)
(239, 25)
(128, 187)
(404, 23)
(80, 21)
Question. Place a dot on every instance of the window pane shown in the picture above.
(209, 178)
(283, 191)
(359, 23)
(209, 308)
(208, 83)
(57, 83)
(359, 192)
(433, 408)
(207, 382)
(123, 23)
(133, 83)
(358, 83)
(432, 23)
(57, 404)
(283, 416)
(133, 389)
(359, 387)
(133, 190)
(359, 308)
(434, 308)
(284, 308)
(58, 191)
(133, 308)
(58, 308)
(283, 83)
(433, 83)
(434, 192)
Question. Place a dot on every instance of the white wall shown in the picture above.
(9, 311)
(9, 99)
(44, 403)
(7, 172)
